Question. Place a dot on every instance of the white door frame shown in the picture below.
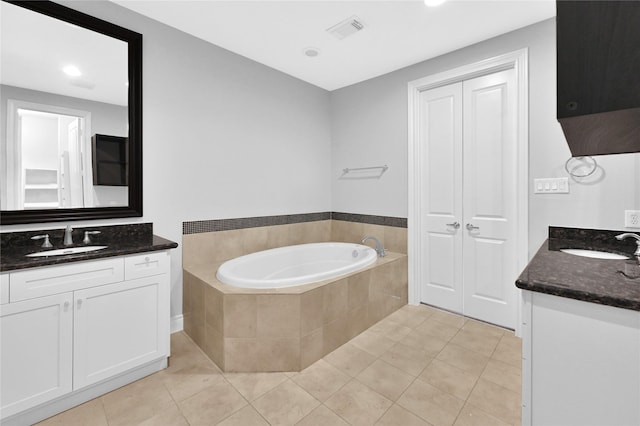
(14, 147)
(517, 60)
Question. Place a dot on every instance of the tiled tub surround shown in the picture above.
(286, 329)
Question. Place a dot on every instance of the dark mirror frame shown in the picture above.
(134, 41)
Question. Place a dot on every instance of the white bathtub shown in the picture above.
(295, 265)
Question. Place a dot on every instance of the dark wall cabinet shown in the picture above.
(110, 159)
(598, 60)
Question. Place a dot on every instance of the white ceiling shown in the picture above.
(397, 33)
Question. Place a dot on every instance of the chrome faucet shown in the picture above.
(68, 236)
(630, 235)
(379, 249)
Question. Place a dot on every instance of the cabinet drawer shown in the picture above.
(69, 277)
(4, 289)
(146, 265)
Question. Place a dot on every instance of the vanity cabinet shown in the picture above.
(581, 363)
(36, 362)
(73, 327)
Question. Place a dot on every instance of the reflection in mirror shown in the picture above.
(66, 77)
(60, 84)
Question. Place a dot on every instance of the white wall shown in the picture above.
(369, 127)
(223, 136)
(227, 137)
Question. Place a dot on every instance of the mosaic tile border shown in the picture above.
(216, 225)
(398, 222)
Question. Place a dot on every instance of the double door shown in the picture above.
(469, 204)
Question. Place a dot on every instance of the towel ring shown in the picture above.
(594, 166)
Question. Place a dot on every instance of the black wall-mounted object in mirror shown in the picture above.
(132, 91)
(110, 160)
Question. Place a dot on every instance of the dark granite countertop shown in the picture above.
(119, 239)
(607, 282)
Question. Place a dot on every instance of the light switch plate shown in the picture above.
(551, 186)
(632, 218)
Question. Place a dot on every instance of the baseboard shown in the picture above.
(177, 323)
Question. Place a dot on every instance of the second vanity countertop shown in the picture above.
(607, 282)
(119, 239)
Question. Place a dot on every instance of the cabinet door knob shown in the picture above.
(471, 227)
(454, 225)
(66, 306)
(79, 303)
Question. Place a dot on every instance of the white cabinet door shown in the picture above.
(118, 327)
(36, 363)
(584, 362)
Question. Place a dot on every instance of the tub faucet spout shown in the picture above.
(379, 248)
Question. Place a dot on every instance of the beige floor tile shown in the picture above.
(430, 344)
(374, 343)
(321, 379)
(391, 329)
(205, 396)
(473, 416)
(286, 404)
(358, 404)
(247, 416)
(450, 379)
(137, 401)
(482, 343)
(430, 403)
(448, 318)
(185, 353)
(89, 413)
(409, 359)
(212, 404)
(496, 401)
(169, 417)
(483, 328)
(509, 350)
(322, 416)
(385, 379)
(462, 358)
(350, 359)
(410, 315)
(189, 381)
(503, 374)
(254, 385)
(398, 416)
(441, 330)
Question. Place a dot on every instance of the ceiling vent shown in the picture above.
(346, 28)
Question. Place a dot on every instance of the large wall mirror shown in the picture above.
(71, 115)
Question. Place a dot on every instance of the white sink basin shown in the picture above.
(595, 254)
(63, 251)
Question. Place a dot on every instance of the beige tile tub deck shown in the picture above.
(287, 329)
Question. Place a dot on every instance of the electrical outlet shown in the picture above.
(632, 218)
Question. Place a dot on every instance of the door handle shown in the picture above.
(470, 227)
(454, 225)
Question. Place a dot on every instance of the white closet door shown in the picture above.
(490, 158)
(468, 142)
(441, 143)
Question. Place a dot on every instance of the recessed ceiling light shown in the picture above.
(433, 3)
(311, 52)
(72, 71)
